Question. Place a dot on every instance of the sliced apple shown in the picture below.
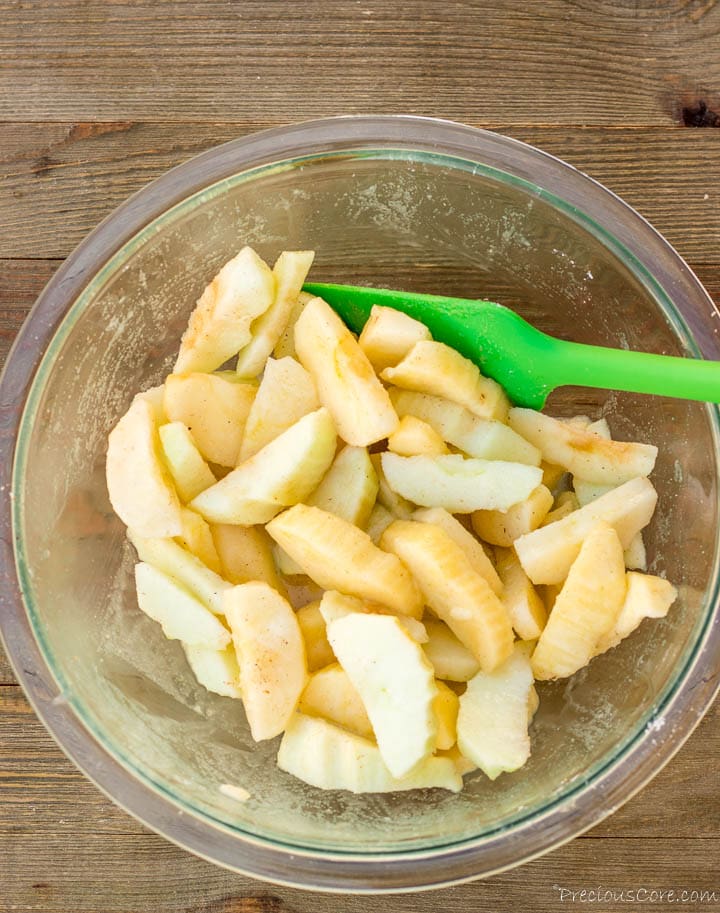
(378, 521)
(482, 438)
(271, 654)
(331, 695)
(503, 527)
(413, 437)
(436, 369)
(547, 553)
(389, 335)
(286, 343)
(586, 607)
(180, 614)
(220, 324)
(524, 605)
(349, 487)
(459, 485)
(646, 596)
(245, 554)
(395, 682)
(344, 378)
(189, 471)
(141, 491)
(323, 755)
(197, 538)
(492, 723)
(635, 554)
(446, 709)
(334, 605)
(451, 587)
(450, 659)
(474, 551)
(387, 497)
(290, 271)
(339, 556)
(214, 409)
(284, 472)
(582, 452)
(188, 570)
(317, 647)
(215, 670)
(286, 393)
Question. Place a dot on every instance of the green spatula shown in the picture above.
(528, 363)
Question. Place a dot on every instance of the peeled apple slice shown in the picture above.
(388, 336)
(349, 488)
(189, 471)
(395, 682)
(334, 605)
(646, 597)
(582, 452)
(331, 695)
(271, 655)
(413, 437)
(547, 553)
(346, 383)
(436, 369)
(317, 648)
(492, 723)
(586, 607)
(450, 659)
(197, 539)
(504, 527)
(170, 558)
(474, 551)
(485, 439)
(284, 472)
(339, 556)
(216, 670)
(286, 343)
(220, 324)
(245, 554)
(457, 594)
(180, 614)
(285, 394)
(459, 485)
(323, 755)
(446, 708)
(290, 271)
(141, 491)
(524, 605)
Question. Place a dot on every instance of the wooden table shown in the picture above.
(97, 97)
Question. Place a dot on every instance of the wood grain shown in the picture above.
(557, 62)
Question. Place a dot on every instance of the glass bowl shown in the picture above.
(396, 201)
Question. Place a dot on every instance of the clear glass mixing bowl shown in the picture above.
(402, 202)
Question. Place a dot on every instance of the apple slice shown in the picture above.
(586, 607)
(547, 553)
(216, 670)
(331, 695)
(399, 507)
(271, 654)
(197, 538)
(220, 324)
(214, 409)
(473, 549)
(413, 437)
(286, 393)
(180, 614)
(188, 570)
(582, 452)
(388, 336)
(285, 347)
(141, 491)
(446, 709)
(524, 605)
(334, 605)
(492, 723)
(457, 594)
(344, 378)
(290, 271)
(646, 597)
(317, 647)
(189, 471)
(323, 755)
(284, 472)
(349, 488)
(459, 485)
(436, 369)
(339, 556)
(450, 659)
(245, 554)
(395, 682)
(503, 527)
(482, 438)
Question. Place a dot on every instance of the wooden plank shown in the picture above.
(60, 180)
(495, 61)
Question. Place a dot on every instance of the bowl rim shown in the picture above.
(270, 860)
